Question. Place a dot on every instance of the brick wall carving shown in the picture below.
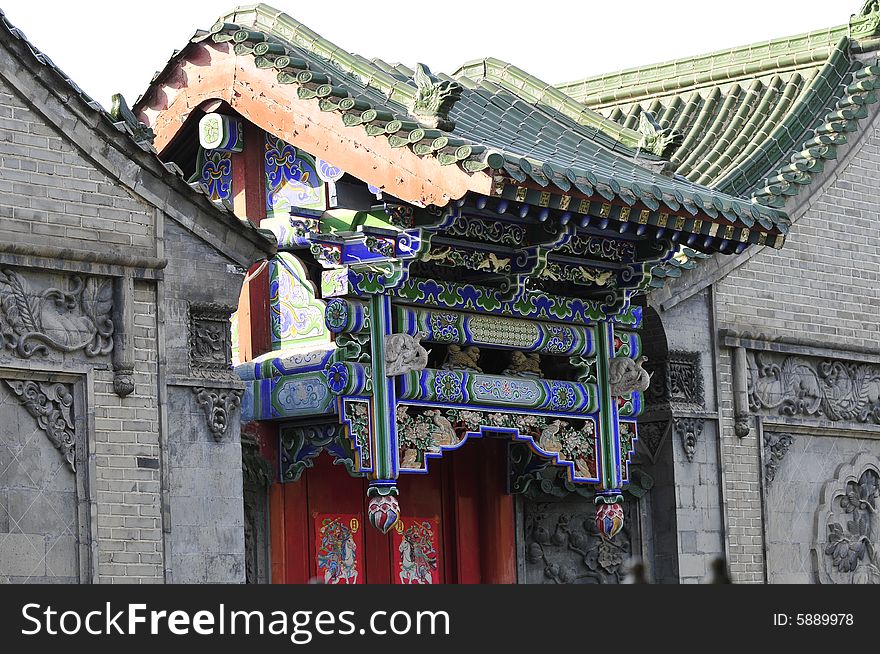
(64, 319)
(847, 545)
(676, 380)
(676, 387)
(823, 284)
(51, 405)
(806, 387)
(563, 546)
(210, 342)
(776, 446)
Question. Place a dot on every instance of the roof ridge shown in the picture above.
(499, 71)
(267, 17)
(728, 65)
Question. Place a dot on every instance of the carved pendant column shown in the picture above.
(123, 335)
(740, 393)
(609, 512)
(384, 508)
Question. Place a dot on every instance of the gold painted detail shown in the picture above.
(503, 331)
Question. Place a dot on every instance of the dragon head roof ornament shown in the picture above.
(434, 99)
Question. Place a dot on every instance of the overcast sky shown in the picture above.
(110, 47)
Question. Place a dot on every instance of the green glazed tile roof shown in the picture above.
(506, 123)
(757, 121)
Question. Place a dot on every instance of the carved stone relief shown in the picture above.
(219, 406)
(34, 321)
(626, 375)
(847, 545)
(676, 380)
(51, 404)
(652, 437)
(775, 448)
(806, 387)
(563, 546)
(688, 430)
(404, 353)
(210, 341)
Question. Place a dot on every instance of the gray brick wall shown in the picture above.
(127, 449)
(689, 488)
(823, 285)
(50, 193)
(70, 181)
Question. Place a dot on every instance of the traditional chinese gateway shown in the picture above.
(450, 318)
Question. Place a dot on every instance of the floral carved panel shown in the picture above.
(847, 545)
(75, 316)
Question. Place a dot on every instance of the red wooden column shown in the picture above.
(497, 519)
(249, 201)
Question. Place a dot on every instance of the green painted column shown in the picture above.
(609, 512)
(384, 509)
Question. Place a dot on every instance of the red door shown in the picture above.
(456, 525)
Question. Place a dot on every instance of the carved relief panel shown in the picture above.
(44, 506)
(72, 316)
(210, 348)
(561, 544)
(676, 380)
(846, 549)
(802, 387)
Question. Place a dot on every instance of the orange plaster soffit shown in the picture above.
(208, 71)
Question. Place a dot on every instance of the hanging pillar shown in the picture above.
(384, 509)
(609, 512)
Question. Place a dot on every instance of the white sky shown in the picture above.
(110, 47)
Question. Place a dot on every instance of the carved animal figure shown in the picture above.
(493, 263)
(549, 440)
(434, 99)
(458, 358)
(655, 139)
(403, 354)
(627, 375)
(524, 365)
(436, 255)
(444, 435)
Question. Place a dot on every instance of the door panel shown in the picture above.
(453, 527)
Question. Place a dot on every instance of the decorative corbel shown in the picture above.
(51, 405)
(219, 405)
(689, 431)
(123, 335)
(740, 393)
